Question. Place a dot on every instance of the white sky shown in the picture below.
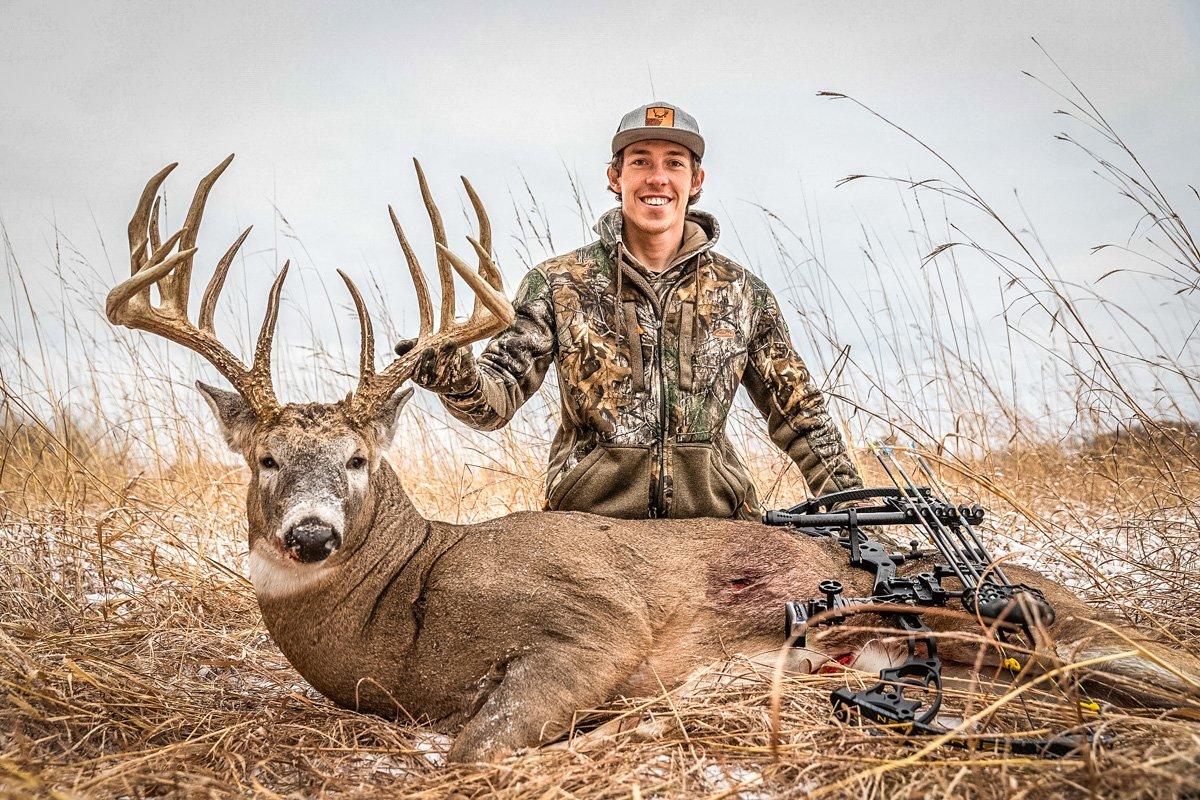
(325, 104)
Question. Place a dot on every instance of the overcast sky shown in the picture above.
(325, 104)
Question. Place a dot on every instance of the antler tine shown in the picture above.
(155, 238)
(485, 225)
(151, 261)
(260, 371)
(493, 312)
(424, 305)
(495, 300)
(366, 350)
(121, 298)
(175, 287)
(486, 266)
(208, 303)
(439, 237)
(138, 238)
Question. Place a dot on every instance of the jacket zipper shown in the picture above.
(660, 509)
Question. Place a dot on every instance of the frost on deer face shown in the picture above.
(306, 484)
(310, 472)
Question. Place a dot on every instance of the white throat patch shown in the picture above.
(275, 576)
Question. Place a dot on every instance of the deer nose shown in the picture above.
(312, 540)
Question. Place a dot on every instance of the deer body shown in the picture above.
(503, 629)
(426, 619)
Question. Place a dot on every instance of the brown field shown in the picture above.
(134, 662)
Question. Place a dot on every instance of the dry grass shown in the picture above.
(134, 662)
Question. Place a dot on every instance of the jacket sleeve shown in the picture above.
(784, 392)
(514, 363)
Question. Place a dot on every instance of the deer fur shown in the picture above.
(504, 629)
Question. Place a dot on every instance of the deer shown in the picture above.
(500, 631)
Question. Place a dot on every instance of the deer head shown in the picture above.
(310, 463)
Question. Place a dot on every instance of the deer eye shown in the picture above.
(358, 462)
(266, 462)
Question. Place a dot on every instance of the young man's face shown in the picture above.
(655, 183)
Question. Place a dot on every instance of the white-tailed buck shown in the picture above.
(500, 630)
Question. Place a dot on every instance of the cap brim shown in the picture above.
(692, 141)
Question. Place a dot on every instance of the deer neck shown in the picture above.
(355, 618)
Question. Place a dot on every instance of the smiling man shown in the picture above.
(652, 332)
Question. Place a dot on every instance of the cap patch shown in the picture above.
(660, 116)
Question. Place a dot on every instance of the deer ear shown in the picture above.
(388, 417)
(234, 414)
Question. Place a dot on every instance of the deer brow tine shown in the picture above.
(366, 351)
(439, 237)
(208, 303)
(424, 305)
(141, 215)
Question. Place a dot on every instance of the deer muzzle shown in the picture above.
(311, 540)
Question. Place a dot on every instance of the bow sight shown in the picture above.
(982, 588)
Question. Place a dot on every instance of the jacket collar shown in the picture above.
(700, 233)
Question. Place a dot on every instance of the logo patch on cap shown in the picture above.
(660, 116)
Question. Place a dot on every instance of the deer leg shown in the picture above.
(746, 669)
(535, 702)
(1113, 663)
(1128, 667)
(749, 669)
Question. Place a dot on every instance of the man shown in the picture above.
(651, 332)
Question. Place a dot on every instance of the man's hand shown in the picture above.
(444, 370)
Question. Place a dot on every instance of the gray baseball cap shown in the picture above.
(659, 121)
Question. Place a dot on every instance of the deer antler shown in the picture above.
(151, 263)
(491, 313)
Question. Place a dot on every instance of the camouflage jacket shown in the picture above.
(648, 365)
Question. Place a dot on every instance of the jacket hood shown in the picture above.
(700, 231)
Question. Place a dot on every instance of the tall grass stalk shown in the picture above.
(133, 661)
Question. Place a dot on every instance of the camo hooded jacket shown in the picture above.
(648, 365)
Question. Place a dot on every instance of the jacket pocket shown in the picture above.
(613, 480)
(703, 485)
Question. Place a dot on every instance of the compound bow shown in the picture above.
(986, 593)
